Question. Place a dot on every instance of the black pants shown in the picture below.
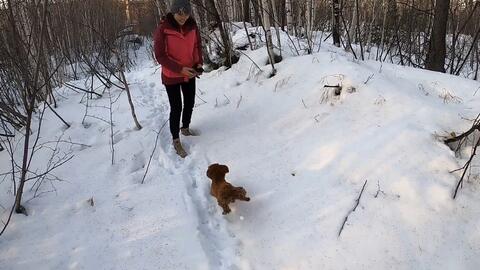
(175, 100)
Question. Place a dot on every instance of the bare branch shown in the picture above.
(357, 202)
(153, 151)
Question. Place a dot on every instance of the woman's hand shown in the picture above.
(199, 70)
(188, 72)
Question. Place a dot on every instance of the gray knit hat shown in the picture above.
(181, 6)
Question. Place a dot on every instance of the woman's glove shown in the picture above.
(188, 72)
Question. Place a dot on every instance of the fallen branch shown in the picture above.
(462, 139)
(153, 152)
(67, 142)
(204, 102)
(112, 143)
(130, 101)
(357, 202)
(239, 101)
(369, 78)
(464, 135)
(71, 86)
(67, 124)
(8, 220)
(123, 80)
(304, 105)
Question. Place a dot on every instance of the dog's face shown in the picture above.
(217, 171)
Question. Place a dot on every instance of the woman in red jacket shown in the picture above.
(177, 46)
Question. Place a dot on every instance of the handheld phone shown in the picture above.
(199, 71)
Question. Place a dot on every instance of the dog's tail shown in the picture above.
(241, 194)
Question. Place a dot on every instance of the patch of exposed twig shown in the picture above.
(153, 151)
(369, 78)
(423, 90)
(461, 137)
(5, 224)
(379, 191)
(56, 160)
(227, 101)
(281, 83)
(239, 101)
(204, 102)
(73, 87)
(357, 202)
(112, 143)
(304, 105)
(449, 97)
(461, 140)
(466, 167)
(329, 92)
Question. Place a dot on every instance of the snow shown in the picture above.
(302, 153)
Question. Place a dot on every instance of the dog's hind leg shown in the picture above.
(225, 207)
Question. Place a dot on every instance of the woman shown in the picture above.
(177, 46)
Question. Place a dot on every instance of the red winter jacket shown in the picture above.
(176, 47)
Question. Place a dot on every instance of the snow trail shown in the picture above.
(220, 245)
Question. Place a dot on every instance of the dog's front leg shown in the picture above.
(225, 208)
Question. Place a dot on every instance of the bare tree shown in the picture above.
(268, 34)
(336, 22)
(309, 24)
(214, 8)
(162, 7)
(289, 11)
(437, 50)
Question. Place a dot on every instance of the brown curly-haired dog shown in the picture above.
(222, 190)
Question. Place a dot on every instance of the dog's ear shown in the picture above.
(224, 169)
(212, 170)
(209, 171)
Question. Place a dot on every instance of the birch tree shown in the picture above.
(288, 9)
(308, 25)
(268, 34)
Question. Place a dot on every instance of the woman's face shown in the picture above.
(181, 17)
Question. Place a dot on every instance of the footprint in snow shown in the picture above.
(137, 163)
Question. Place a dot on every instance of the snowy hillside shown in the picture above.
(302, 153)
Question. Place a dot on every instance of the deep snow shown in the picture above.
(302, 154)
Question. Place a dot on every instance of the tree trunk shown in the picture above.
(308, 25)
(288, 7)
(227, 45)
(162, 7)
(268, 34)
(370, 26)
(336, 22)
(127, 11)
(130, 101)
(382, 40)
(19, 209)
(357, 28)
(246, 10)
(276, 19)
(437, 48)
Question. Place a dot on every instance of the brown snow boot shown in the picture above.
(179, 148)
(188, 132)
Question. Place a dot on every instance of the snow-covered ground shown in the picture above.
(302, 153)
